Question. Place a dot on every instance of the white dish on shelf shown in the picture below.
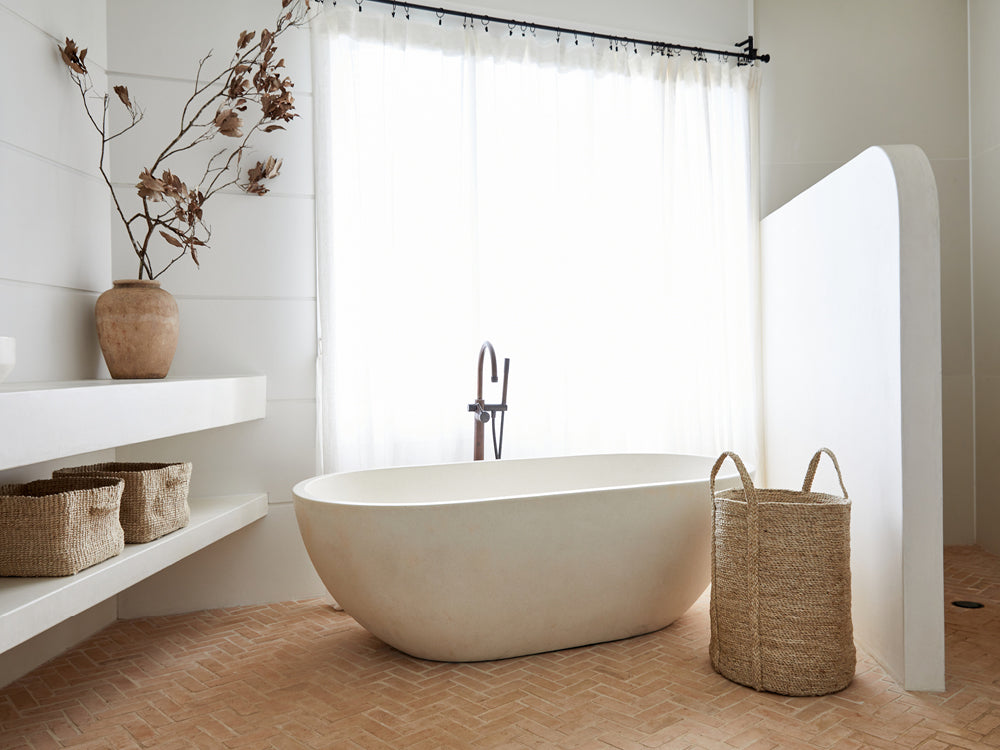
(8, 356)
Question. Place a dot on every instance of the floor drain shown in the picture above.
(968, 605)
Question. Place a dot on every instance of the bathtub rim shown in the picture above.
(726, 475)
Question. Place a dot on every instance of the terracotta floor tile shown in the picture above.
(302, 675)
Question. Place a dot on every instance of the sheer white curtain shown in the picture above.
(591, 212)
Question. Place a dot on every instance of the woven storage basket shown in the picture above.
(57, 527)
(781, 586)
(155, 500)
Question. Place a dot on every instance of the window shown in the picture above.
(592, 212)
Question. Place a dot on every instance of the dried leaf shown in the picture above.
(73, 57)
(171, 239)
(122, 92)
(237, 87)
(150, 187)
(245, 38)
(172, 186)
(229, 123)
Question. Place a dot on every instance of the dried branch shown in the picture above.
(217, 107)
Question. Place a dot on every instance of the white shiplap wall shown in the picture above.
(55, 253)
(54, 257)
(250, 308)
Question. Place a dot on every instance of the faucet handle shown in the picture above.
(481, 415)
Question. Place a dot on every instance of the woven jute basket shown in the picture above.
(155, 500)
(781, 586)
(57, 527)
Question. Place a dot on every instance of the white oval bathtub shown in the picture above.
(493, 559)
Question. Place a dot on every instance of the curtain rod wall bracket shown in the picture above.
(751, 53)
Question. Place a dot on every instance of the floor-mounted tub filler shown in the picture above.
(489, 560)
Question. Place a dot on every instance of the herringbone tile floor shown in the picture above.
(300, 675)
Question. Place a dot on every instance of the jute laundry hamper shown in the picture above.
(155, 499)
(781, 586)
(57, 527)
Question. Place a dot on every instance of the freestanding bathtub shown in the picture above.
(488, 560)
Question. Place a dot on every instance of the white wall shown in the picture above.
(55, 255)
(853, 73)
(984, 25)
(250, 308)
(852, 360)
(718, 23)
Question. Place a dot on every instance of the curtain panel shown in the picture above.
(592, 212)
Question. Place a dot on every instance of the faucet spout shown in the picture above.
(493, 363)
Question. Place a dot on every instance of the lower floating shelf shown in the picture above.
(29, 606)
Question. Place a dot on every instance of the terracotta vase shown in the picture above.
(137, 325)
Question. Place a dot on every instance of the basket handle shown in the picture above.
(752, 561)
(814, 463)
(749, 491)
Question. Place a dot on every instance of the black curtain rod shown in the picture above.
(748, 55)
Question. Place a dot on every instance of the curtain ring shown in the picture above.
(406, 9)
(486, 24)
(394, 10)
(524, 28)
(440, 15)
(359, 2)
(511, 26)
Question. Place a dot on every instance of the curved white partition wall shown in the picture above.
(851, 352)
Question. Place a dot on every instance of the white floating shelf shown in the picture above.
(42, 421)
(29, 606)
